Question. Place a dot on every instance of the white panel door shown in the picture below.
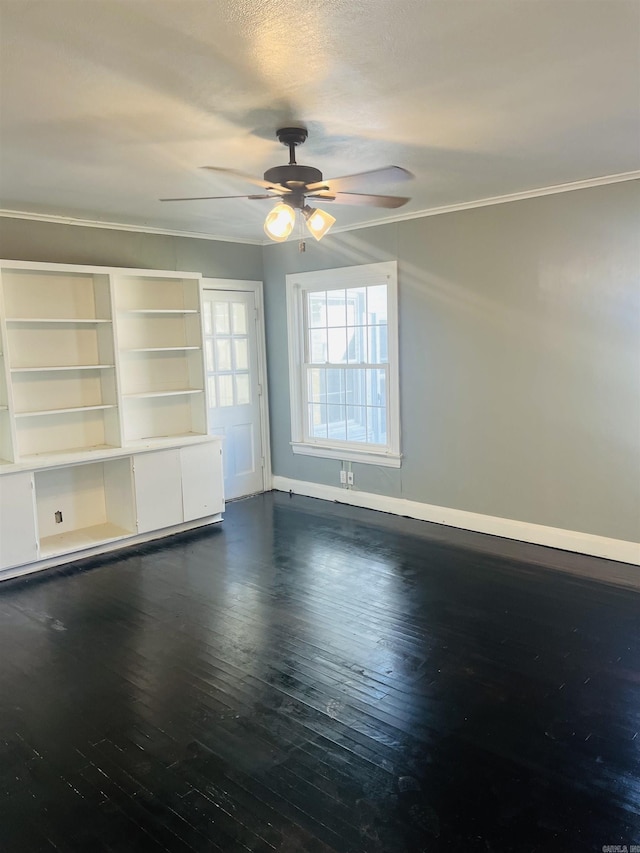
(201, 480)
(158, 481)
(231, 355)
(17, 520)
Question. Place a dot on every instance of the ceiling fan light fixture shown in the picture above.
(279, 222)
(317, 221)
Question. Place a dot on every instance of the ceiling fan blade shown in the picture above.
(257, 181)
(213, 197)
(386, 174)
(389, 201)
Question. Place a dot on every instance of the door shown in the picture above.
(233, 387)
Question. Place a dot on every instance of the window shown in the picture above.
(343, 363)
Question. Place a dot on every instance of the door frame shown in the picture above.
(257, 288)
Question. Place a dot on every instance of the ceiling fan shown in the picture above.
(293, 185)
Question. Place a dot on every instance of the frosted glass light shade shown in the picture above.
(279, 222)
(318, 221)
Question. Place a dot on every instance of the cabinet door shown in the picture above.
(202, 490)
(158, 489)
(17, 520)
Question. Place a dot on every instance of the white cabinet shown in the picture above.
(202, 482)
(158, 489)
(18, 539)
(178, 485)
(103, 411)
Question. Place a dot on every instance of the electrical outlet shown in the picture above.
(58, 517)
(343, 478)
(349, 478)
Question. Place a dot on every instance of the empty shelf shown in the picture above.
(73, 320)
(159, 349)
(181, 391)
(58, 367)
(66, 411)
(160, 311)
(86, 537)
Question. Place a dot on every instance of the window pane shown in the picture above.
(357, 306)
(211, 388)
(377, 303)
(317, 346)
(334, 385)
(355, 387)
(336, 308)
(208, 322)
(221, 318)
(376, 388)
(317, 309)
(357, 344)
(208, 348)
(356, 423)
(378, 345)
(377, 425)
(337, 345)
(317, 386)
(223, 354)
(225, 390)
(241, 353)
(243, 391)
(239, 318)
(318, 421)
(337, 422)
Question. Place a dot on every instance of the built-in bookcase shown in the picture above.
(103, 416)
(160, 356)
(61, 361)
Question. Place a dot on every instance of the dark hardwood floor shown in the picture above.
(313, 677)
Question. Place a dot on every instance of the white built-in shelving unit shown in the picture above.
(97, 366)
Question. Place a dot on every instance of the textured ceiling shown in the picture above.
(107, 105)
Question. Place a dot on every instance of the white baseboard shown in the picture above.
(522, 531)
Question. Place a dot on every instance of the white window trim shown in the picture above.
(339, 279)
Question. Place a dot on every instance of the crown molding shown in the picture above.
(498, 199)
(121, 226)
(398, 217)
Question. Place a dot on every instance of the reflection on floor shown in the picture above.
(313, 677)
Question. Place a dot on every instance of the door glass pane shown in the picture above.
(208, 322)
(225, 390)
(241, 353)
(223, 354)
(208, 348)
(211, 388)
(239, 317)
(221, 318)
(243, 392)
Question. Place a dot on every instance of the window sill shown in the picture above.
(368, 457)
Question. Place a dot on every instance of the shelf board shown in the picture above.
(92, 321)
(85, 537)
(57, 367)
(67, 411)
(160, 311)
(159, 349)
(56, 455)
(142, 394)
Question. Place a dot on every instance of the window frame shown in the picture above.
(342, 278)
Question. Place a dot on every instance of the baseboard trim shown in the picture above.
(522, 531)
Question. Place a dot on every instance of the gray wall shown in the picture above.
(519, 358)
(29, 240)
(519, 348)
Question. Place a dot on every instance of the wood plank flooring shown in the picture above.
(313, 677)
